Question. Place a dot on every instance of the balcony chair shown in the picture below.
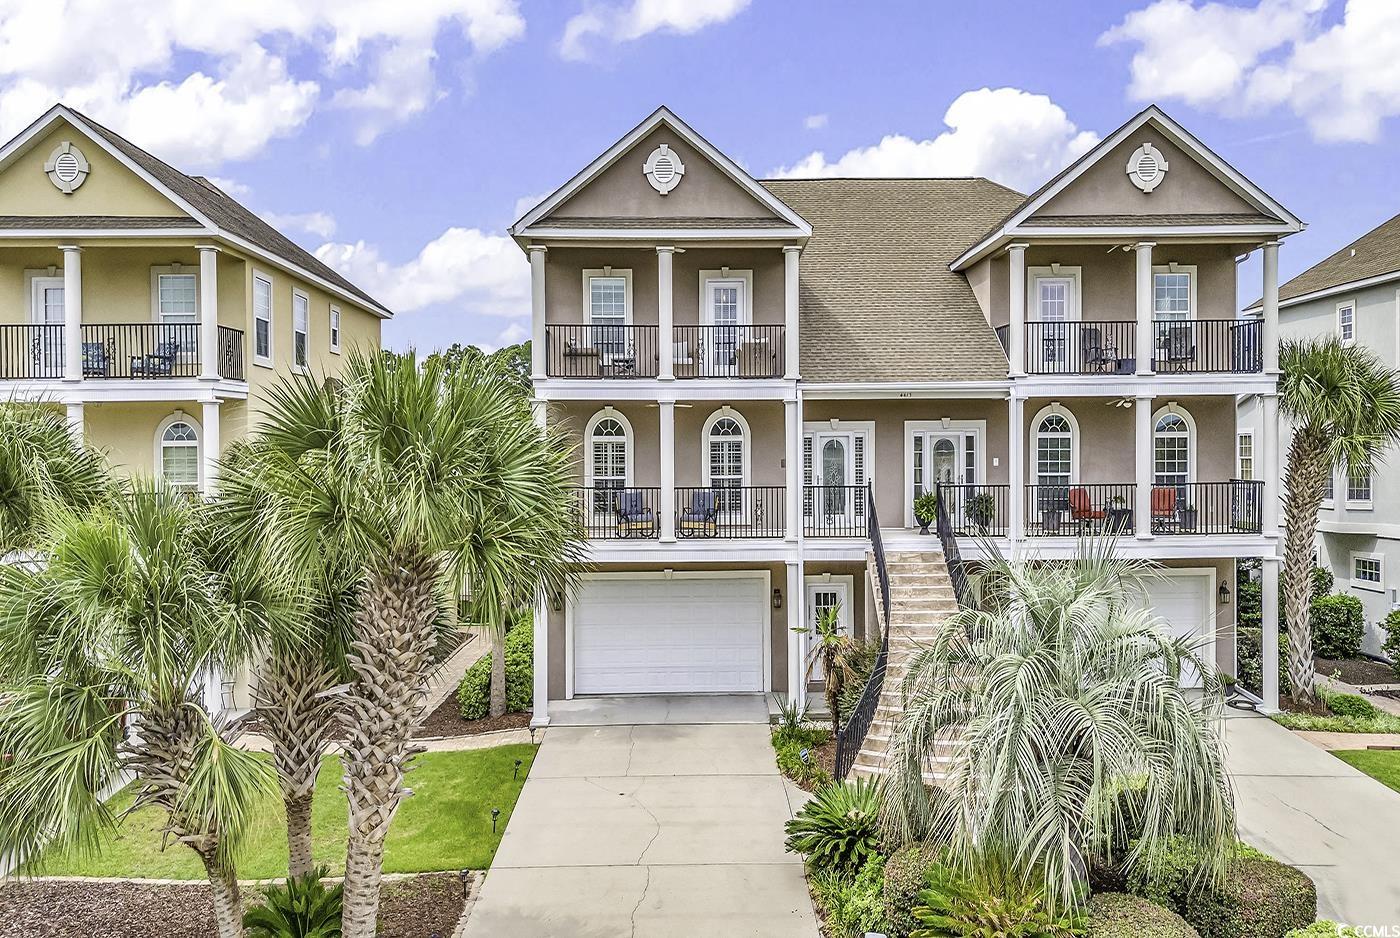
(157, 364)
(1163, 508)
(97, 361)
(1081, 509)
(701, 519)
(634, 518)
(1093, 356)
(1176, 347)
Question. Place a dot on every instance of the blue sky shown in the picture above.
(399, 139)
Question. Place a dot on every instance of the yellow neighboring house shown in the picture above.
(151, 304)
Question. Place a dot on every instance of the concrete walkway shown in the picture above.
(1311, 810)
(635, 824)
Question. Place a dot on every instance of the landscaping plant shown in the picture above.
(926, 507)
(1338, 626)
(438, 483)
(993, 900)
(839, 829)
(1119, 915)
(474, 692)
(906, 874)
(852, 907)
(1344, 407)
(1391, 646)
(830, 650)
(304, 907)
(1059, 688)
(41, 462)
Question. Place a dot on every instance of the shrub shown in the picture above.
(852, 907)
(989, 902)
(474, 693)
(1391, 647)
(303, 908)
(1249, 660)
(1351, 705)
(839, 829)
(788, 742)
(1322, 582)
(1338, 625)
(1260, 898)
(905, 874)
(1249, 603)
(859, 659)
(1118, 915)
(1326, 929)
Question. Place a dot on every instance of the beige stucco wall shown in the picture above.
(110, 188)
(1104, 188)
(125, 432)
(1108, 278)
(623, 191)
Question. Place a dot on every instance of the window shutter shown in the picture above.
(858, 457)
(808, 508)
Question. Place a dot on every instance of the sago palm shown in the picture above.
(1343, 406)
(434, 482)
(40, 461)
(1055, 693)
(103, 647)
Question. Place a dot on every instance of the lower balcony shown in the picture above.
(1188, 508)
(142, 350)
(715, 511)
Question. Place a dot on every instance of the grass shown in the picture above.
(445, 825)
(1383, 723)
(1381, 764)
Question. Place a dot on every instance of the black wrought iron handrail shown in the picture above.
(737, 351)
(597, 350)
(619, 513)
(1081, 348)
(952, 557)
(31, 350)
(852, 733)
(719, 510)
(833, 511)
(231, 353)
(1208, 346)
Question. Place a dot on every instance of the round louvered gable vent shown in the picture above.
(1147, 167)
(663, 169)
(66, 167)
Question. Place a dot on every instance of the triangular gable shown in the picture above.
(110, 188)
(614, 192)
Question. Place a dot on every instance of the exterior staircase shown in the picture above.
(921, 596)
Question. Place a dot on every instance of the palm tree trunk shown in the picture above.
(1308, 466)
(498, 670)
(300, 857)
(392, 659)
(228, 903)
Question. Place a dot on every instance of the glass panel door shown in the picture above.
(834, 474)
(725, 314)
(48, 311)
(1053, 296)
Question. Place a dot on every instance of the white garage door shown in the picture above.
(686, 634)
(1183, 600)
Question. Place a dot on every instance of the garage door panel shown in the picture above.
(655, 635)
(1183, 602)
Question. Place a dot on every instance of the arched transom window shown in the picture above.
(726, 463)
(1171, 460)
(179, 455)
(1054, 450)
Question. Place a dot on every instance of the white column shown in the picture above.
(792, 425)
(1142, 463)
(1269, 626)
(1145, 307)
(1016, 468)
(75, 420)
(797, 667)
(537, 309)
(1016, 329)
(791, 253)
(665, 297)
(1270, 329)
(1271, 462)
(210, 446)
(209, 312)
(667, 508)
(540, 717)
(72, 312)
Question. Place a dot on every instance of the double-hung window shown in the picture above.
(177, 311)
(1173, 308)
(1346, 322)
(301, 315)
(335, 329)
(608, 312)
(1359, 488)
(1244, 451)
(262, 320)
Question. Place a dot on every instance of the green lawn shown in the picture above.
(1381, 764)
(445, 825)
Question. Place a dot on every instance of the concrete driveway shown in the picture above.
(649, 817)
(1313, 811)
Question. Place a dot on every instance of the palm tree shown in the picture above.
(1344, 407)
(831, 650)
(103, 647)
(40, 461)
(1059, 691)
(435, 483)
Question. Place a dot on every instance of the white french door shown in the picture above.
(835, 476)
(947, 457)
(822, 597)
(1055, 310)
(47, 310)
(726, 312)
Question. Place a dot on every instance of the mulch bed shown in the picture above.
(447, 720)
(426, 906)
(1357, 671)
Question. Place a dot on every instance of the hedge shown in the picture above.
(1338, 626)
(1118, 915)
(1249, 660)
(474, 693)
(1391, 647)
(906, 875)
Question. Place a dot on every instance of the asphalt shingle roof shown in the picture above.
(1374, 254)
(94, 222)
(877, 300)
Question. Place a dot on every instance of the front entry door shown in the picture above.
(725, 315)
(822, 597)
(834, 474)
(47, 310)
(947, 458)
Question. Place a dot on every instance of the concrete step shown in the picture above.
(932, 555)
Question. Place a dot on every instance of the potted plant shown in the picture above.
(981, 508)
(926, 510)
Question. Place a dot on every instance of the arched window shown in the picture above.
(1055, 448)
(727, 459)
(177, 451)
(1173, 435)
(608, 455)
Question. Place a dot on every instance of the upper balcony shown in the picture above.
(625, 352)
(1110, 347)
(111, 350)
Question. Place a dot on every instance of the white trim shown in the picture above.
(1190, 271)
(32, 279)
(263, 361)
(1253, 454)
(336, 336)
(1351, 305)
(174, 270)
(912, 428)
(1206, 651)
(1349, 286)
(746, 451)
(844, 583)
(744, 276)
(1055, 272)
(864, 428)
(179, 416)
(1360, 504)
(765, 639)
(647, 237)
(297, 366)
(629, 441)
(1191, 437)
(1379, 585)
(622, 273)
(684, 132)
(1032, 473)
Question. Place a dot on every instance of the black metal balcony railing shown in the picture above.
(231, 354)
(1212, 346)
(1233, 507)
(31, 351)
(834, 511)
(141, 350)
(977, 510)
(1072, 509)
(1081, 348)
(753, 351)
(593, 351)
(607, 513)
(730, 511)
(851, 734)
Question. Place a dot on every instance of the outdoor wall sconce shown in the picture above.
(556, 602)
(777, 598)
(1224, 592)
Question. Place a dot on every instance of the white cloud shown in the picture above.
(321, 224)
(476, 272)
(815, 121)
(205, 83)
(639, 18)
(1015, 137)
(527, 202)
(510, 335)
(233, 187)
(1342, 80)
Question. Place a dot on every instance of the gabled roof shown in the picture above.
(1270, 219)
(218, 212)
(1371, 259)
(878, 301)
(784, 221)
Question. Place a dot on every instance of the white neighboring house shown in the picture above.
(1354, 294)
